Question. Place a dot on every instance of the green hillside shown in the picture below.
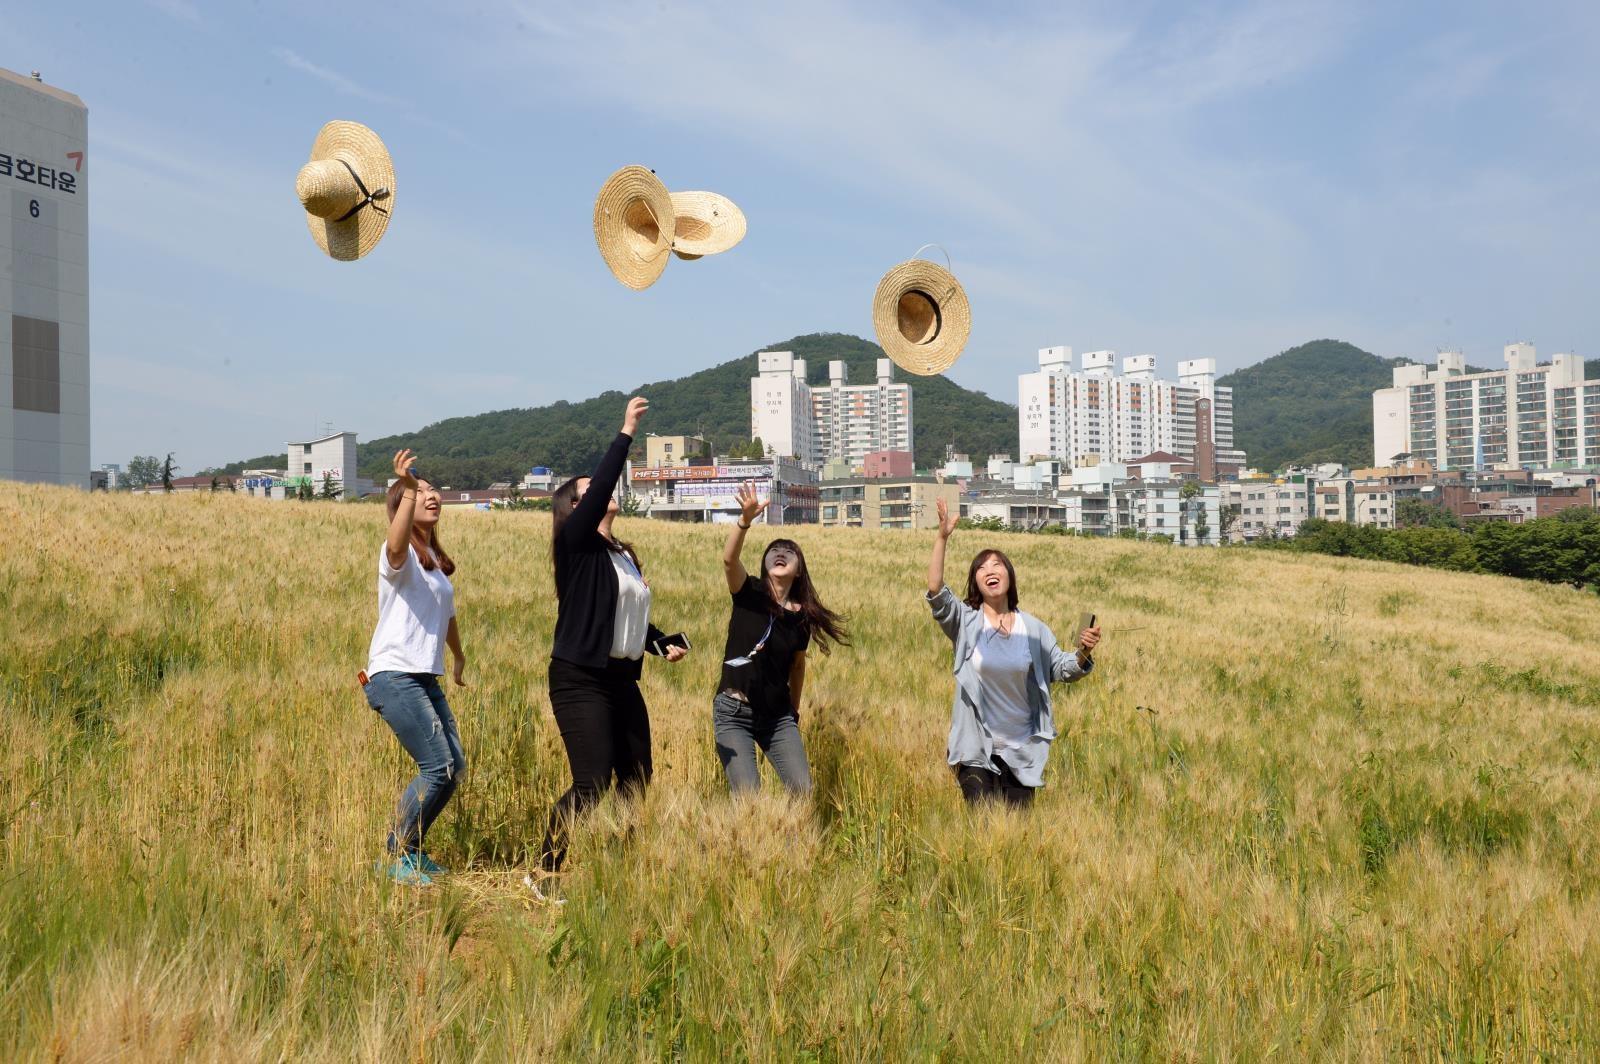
(1311, 403)
(475, 451)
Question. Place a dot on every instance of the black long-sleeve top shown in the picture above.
(586, 581)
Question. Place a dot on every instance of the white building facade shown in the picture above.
(838, 421)
(44, 283)
(1081, 415)
(1528, 415)
(1266, 508)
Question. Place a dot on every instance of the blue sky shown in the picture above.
(1189, 180)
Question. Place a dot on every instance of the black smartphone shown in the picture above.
(676, 639)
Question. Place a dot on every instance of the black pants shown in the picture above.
(606, 730)
(983, 785)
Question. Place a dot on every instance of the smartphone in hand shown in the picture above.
(666, 642)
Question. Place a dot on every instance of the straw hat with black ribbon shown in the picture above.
(634, 224)
(347, 190)
(921, 315)
(706, 224)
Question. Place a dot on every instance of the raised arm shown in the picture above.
(399, 539)
(750, 508)
(591, 509)
(947, 525)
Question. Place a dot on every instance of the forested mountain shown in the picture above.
(1311, 403)
(472, 452)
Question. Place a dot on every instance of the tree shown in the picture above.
(1201, 529)
(1414, 513)
(305, 493)
(215, 483)
(167, 469)
(329, 489)
(143, 470)
(1230, 513)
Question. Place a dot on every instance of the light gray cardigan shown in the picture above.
(970, 743)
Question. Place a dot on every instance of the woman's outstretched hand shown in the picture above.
(404, 459)
(638, 407)
(750, 506)
(947, 522)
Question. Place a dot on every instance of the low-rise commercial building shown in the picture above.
(891, 502)
(708, 493)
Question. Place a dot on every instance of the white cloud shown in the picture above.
(331, 78)
(181, 10)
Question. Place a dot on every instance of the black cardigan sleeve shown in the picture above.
(591, 509)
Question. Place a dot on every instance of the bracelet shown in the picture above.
(742, 525)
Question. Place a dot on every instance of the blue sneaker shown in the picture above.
(408, 870)
(431, 867)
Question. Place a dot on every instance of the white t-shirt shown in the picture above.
(414, 610)
(1003, 663)
(633, 609)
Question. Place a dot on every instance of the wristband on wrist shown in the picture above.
(742, 525)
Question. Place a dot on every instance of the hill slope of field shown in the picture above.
(1290, 813)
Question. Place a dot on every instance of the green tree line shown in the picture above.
(1564, 549)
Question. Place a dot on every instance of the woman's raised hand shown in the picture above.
(750, 506)
(638, 407)
(404, 459)
(947, 522)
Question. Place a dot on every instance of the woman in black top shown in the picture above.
(602, 631)
(772, 623)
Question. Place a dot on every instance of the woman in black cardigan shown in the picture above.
(602, 631)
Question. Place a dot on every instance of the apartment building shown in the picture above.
(1528, 415)
(1081, 415)
(1355, 502)
(835, 422)
(1266, 508)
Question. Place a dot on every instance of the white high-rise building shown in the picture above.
(836, 421)
(44, 283)
(1528, 415)
(1094, 414)
(780, 407)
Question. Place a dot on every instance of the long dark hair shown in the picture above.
(561, 506)
(975, 594)
(823, 623)
(427, 544)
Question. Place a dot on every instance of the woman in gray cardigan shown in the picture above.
(1005, 661)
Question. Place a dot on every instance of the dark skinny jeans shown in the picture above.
(606, 730)
(982, 785)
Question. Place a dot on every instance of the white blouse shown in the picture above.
(633, 609)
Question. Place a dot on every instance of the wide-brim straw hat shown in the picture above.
(347, 190)
(633, 224)
(706, 224)
(921, 316)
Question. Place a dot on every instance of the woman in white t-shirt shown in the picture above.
(416, 619)
(1001, 723)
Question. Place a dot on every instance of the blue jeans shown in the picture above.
(413, 705)
(740, 728)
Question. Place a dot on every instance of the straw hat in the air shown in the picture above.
(634, 224)
(706, 224)
(921, 316)
(347, 190)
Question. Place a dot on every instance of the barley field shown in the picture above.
(1305, 808)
